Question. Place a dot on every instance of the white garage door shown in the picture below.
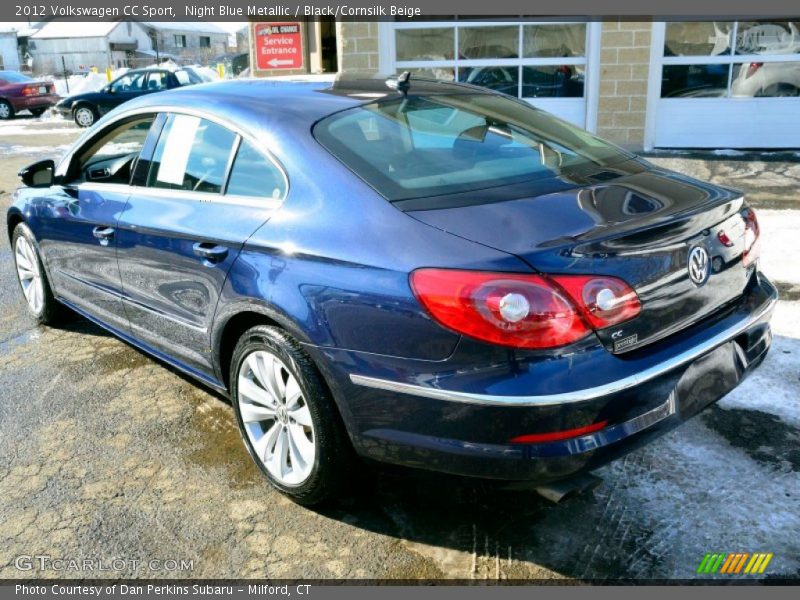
(551, 65)
(733, 84)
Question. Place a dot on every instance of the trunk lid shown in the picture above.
(641, 227)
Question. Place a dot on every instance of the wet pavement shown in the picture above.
(106, 453)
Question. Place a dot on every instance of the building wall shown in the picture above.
(624, 70)
(9, 55)
(357, 46)
(193, 51)
(85, 52)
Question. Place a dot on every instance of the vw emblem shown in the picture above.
(698, 265)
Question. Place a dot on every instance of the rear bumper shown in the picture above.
(27, 102)
(451, 418)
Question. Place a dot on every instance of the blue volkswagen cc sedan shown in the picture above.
(421, 273)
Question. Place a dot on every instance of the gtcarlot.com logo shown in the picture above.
(734, 563)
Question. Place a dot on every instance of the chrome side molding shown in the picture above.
(578, 395)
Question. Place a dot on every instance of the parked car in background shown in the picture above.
(87, 107)
(19, 92)
(509, 297)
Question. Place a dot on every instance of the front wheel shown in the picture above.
(32, 277)
(287, 418)
(85, 116)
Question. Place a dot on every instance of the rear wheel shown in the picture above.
(84, 116)
(32, 277)
(287, 417)
(6, 110)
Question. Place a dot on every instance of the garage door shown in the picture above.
(551, 65)
(732, 84)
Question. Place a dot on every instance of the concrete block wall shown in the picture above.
(624, 70)
(357, 46)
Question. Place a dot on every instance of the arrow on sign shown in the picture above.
(278, 63)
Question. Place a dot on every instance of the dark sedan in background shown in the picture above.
(86, 108)
(427, 274)
(19, 92)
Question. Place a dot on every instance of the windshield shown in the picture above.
(12, 77)
(441, 144)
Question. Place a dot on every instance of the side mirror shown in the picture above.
(108, 89)
(39, 174)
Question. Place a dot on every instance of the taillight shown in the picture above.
(523, 311)
(29, 91)
(605, 301)
(753, 68)
(752, 233)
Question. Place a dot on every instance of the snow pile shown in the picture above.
(80, 84)
(780, 254)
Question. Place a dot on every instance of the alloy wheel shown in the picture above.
(276, 418)
(30, 276)
(5, 110)
(84, 117)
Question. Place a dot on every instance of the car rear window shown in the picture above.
(440, 144)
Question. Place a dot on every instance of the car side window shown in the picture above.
(109, 157)
(192, 154)
(182, 77)
(128, 83)
(254, 175)
(156, 80)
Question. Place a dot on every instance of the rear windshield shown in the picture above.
(441, 144)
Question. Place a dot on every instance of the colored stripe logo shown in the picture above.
(734, 563)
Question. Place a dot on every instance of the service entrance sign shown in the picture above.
(279, 46)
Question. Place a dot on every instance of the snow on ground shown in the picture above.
(42, 126)
(774, 388)
(780, 252)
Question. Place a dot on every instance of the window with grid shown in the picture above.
(527, 60)
(731, 59)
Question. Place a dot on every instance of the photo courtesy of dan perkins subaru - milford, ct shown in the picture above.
(421, 273)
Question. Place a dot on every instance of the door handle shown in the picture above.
(210, 252)
(104, 234)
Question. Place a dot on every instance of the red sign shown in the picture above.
(278, 46)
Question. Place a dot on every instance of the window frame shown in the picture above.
(206, 39)
(455, 63)
(69, 164)
(222, 196)
(730, 59)
(161, 112)
(180, 40)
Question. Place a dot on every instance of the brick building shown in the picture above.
(731, 84)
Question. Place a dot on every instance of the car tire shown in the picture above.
(84, 115)
(294, 432)
(37, 112)
(32, 277)
(6, 110)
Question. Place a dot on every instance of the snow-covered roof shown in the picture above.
(194, 26)
(72, 29)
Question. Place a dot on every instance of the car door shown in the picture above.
(182, 230)
(127, 87)
(76, 220)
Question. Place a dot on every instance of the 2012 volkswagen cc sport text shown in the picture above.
(420, 273)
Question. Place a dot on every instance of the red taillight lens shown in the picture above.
(29, 91)
(522, 311)
(752, 234)
(753, 68)
(606, 301)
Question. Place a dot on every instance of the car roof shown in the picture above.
(306, 101)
